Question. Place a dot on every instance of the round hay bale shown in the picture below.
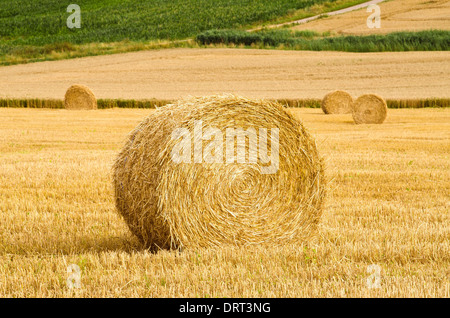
(80, 97)
(337, 102)
(219, 190)
(369, 109)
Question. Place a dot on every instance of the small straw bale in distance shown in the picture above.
(337, 102)
(369, 109)
(79, 97)
(174, 205)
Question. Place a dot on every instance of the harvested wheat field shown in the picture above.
(387, 205)
(175, 73)
(396, 15)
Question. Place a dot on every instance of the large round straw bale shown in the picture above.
(337, 102)
(80, 97)
(369, 109)
(213, 199)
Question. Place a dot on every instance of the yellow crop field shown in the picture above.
(398, 15)
(385, 230)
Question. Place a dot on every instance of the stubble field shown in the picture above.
(175, 73)
(387, 205)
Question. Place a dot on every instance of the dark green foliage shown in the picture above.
(432, 40)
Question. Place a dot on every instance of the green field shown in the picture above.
(44, 21)
(34, 31)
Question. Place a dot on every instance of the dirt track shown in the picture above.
(174, 73)
(398, 15)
